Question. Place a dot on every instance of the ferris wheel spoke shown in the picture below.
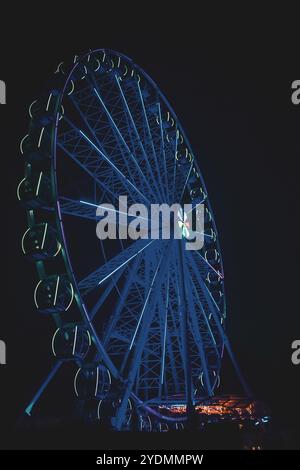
(129, 183)
(173, 366)
(117, 311)
(130, 284)
(118, 334)
(204, 293)
(184, 327)
(163, 151)
(203, 312)
(92, 131)
(85, 121)
(104, 295)
(145, 304)
(88, 168)
(186, 181)
(175, 352)
(162, 187)
(130, 154)
(169, 347)
(140, 340)
(137, 136)
(213, 343)
(87, 210)
(103, 273)
(207, 263)
(69, 206)
(164, 335)
(149, 382)
(198, 337)
(90, 204)
(92, 163)
(194, 206)
(175, 163)
(142, 306)
(176, 344)
(88, 164)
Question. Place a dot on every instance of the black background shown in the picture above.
(232, 92)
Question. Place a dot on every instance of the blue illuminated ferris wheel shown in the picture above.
(142, 321)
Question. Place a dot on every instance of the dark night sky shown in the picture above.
(233, 100)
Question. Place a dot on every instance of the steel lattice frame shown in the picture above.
(106, 123)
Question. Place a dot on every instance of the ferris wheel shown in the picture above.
(143, 320)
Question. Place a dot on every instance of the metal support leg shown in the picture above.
(38, 394)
